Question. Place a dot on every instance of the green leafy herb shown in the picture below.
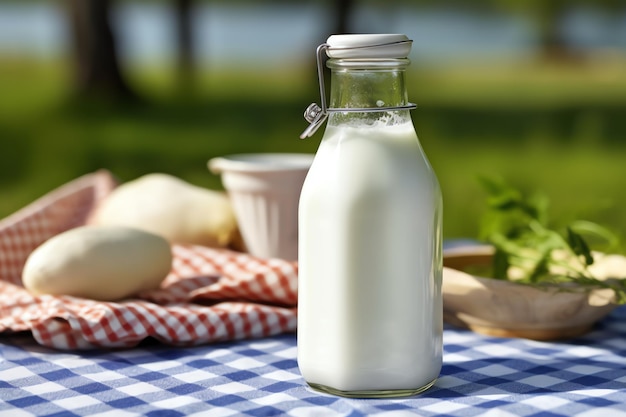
(530, 252)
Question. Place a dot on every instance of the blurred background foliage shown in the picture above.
(532, 91)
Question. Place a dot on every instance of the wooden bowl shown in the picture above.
(504, 308)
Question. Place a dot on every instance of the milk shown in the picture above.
(369, 308)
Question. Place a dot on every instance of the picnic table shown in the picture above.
(170, 355)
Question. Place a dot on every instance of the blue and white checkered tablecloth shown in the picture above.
(481, 376)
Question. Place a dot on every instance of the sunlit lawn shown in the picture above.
(558, 130)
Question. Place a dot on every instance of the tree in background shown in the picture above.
(343, 10)
(185, 44)
(96, 66)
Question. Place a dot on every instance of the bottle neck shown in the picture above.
(367, 84)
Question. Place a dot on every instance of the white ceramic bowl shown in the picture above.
(265, 190)
(504, 308)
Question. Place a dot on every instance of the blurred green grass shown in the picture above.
(557, 129)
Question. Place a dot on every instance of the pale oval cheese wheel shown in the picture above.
(172, 208)
(98, 262)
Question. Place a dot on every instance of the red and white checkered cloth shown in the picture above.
(210, 295)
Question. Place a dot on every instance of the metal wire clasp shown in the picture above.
(316, 114)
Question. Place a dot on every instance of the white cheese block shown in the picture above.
(172, 208)
(98, 262)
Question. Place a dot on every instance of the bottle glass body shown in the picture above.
(370, 265)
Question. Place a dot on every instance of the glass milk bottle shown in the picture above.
(370, 262)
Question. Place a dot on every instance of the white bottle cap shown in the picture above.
(368, 46)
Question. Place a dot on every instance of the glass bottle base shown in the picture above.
(373, 393)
